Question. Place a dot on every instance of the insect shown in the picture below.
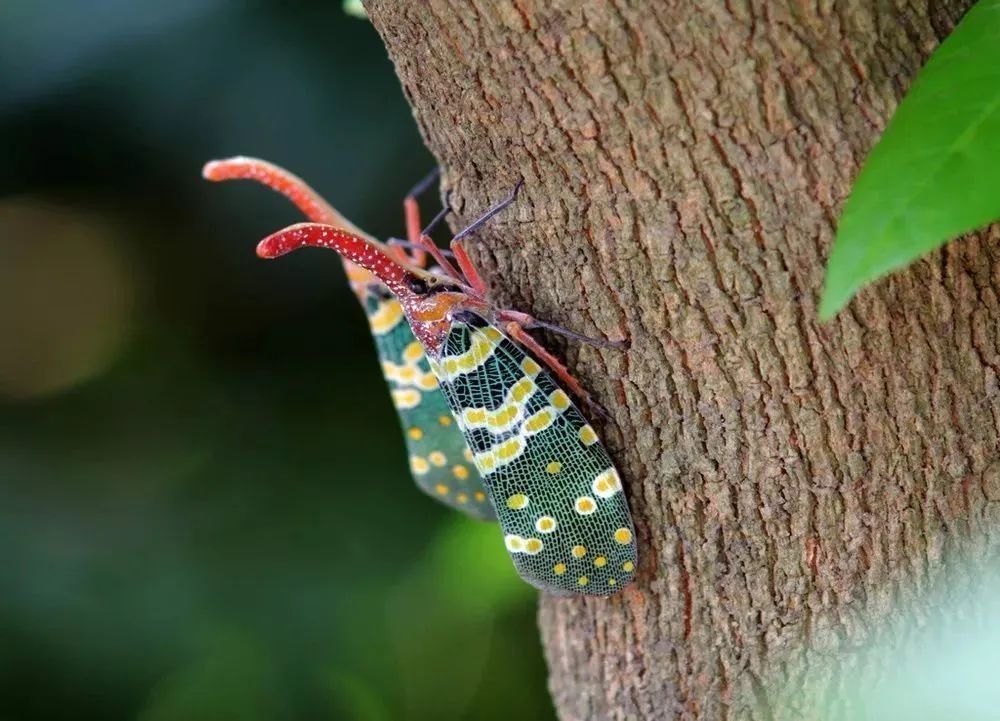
(440, 461)
(558, 497)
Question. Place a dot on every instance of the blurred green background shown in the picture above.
(205, 508)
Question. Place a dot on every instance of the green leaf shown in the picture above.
(936, 171)
(355, 8)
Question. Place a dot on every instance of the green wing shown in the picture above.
(440, 460)
(559, 499)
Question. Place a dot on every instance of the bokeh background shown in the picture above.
(205, 508)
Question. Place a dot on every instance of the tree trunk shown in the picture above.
(795, 486)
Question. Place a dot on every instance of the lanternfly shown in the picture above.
(559, 499)
(440, 461)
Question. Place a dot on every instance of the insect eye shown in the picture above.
(417, 285)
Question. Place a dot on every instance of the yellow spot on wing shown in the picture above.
(483, 343)
(477, 356)
(428, 381)
(419, 465)
(600, 561)
(559, 569)
(539, 421)
(485, 462)
(497, 421)
(532, 546)
(509, 449)
(559, 400)
(474, 416)
(585, 505)
(460, 472)
(415, 433)
(628, 566)
(406, 398)
(479, 496)
(437, 458)
(462, 497)
(587, 435)
(502, 417)
(413, 352)
(500, 454)
(582, 581)
(508, 413)
(579, 551)
(445, 420)
(514, 543)
(521, 390)
(554, 467)
(623, 536)
(441, 488)
(385, 318)
(545, 524)
(607, 483)
(529, 367)
(517, 502)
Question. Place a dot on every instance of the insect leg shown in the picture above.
(436, 220)
(529, 321)
(518, 333)
(420, 242)
(490, 213)
(399, 242)
(472, 277)
(439, 256)
(426, 182)
(411, 210)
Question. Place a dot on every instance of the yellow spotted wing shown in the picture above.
(440, 461)
(559, 499)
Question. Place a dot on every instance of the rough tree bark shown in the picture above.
(795, 485)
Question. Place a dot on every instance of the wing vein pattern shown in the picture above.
(557, 495)
(440, 460)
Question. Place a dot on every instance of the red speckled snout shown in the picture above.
(351, 247)
(284, 241)
(318, 235)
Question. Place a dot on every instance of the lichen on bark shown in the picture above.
(795, 486)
